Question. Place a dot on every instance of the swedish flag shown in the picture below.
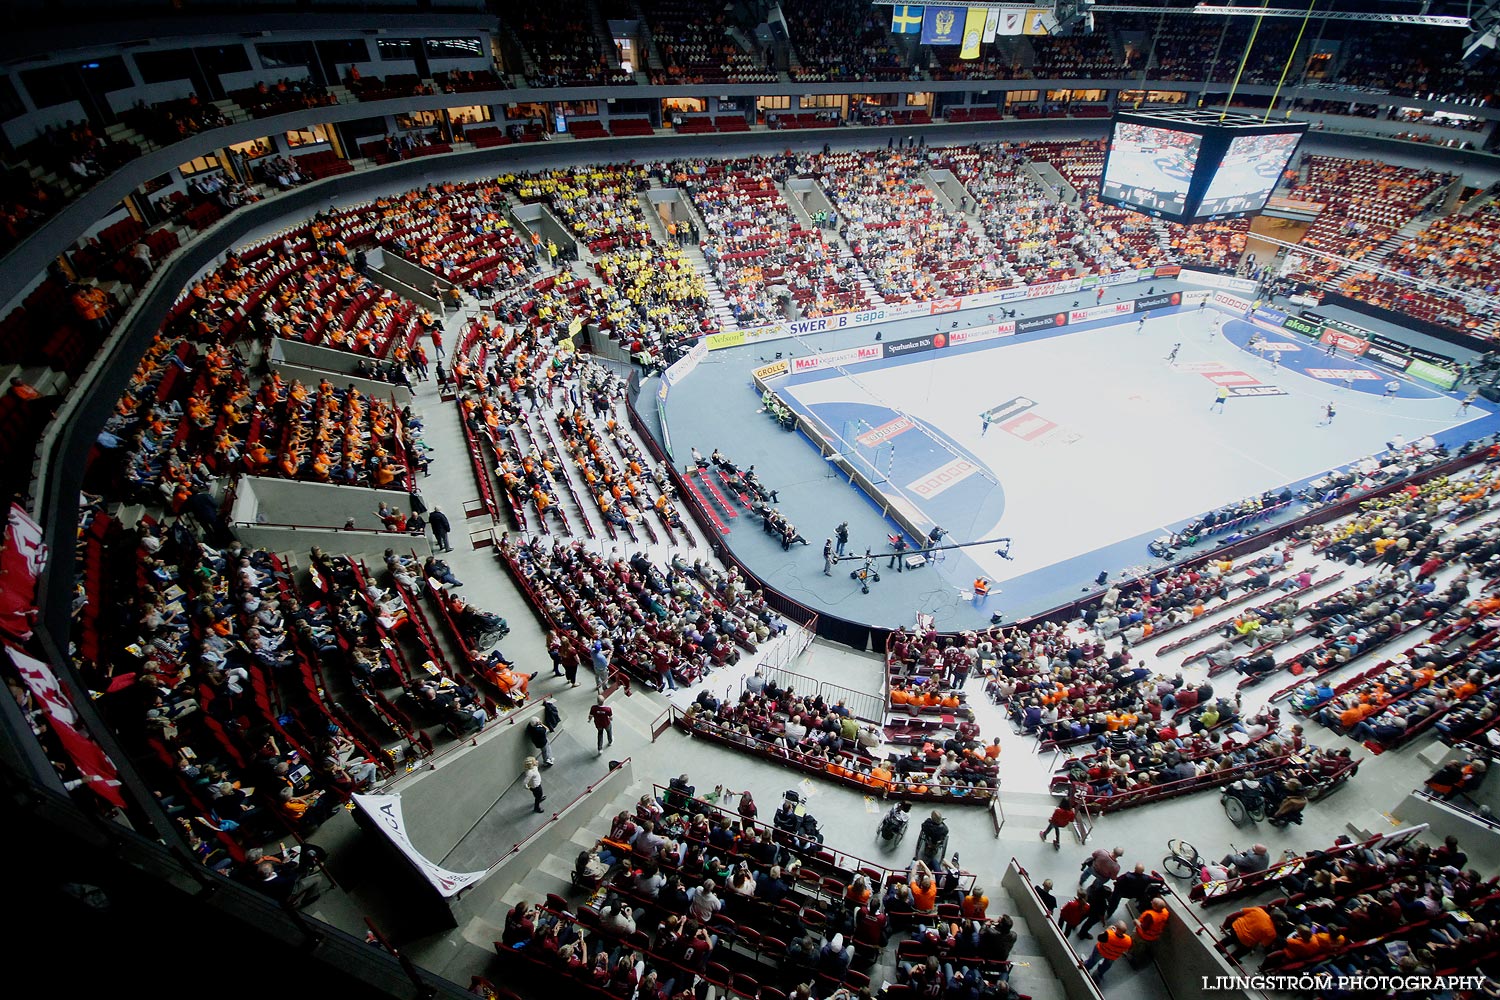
(906, 20)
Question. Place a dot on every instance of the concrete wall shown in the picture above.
(1480, 838)
(1185, 955)
(370, 387)
(569, 822)
(1065, 964)
(287, 502)
(23, 128)
(443, 805)
(324, 359)
(367, 545)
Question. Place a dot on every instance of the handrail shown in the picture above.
(883, 872)
(341, 529)
(556, 815)
(972, 794)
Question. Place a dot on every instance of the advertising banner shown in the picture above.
(1100, 312)
(915, 345)
(1347, 342)
(682, 367)
(1231, 301)
(1208, 279)
(1158, 301)
(773, 370)
(1429, 372)
(1032, 323)
(833, 359)
(1297, 324)
(93, 764)
(982, 333)
(21, 563)
(1391, 359)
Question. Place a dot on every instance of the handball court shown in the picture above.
(1094, 445)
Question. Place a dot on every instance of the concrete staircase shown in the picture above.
(604, 37)
(684, 205)
(654, 61)
(814, 199)
(1379, 254)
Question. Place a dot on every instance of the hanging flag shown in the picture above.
(1011, 22)
(942, 25)
(1040, 22)
(973, 31)
(991, 23)
(906, 20)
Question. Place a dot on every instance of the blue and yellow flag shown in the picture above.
(942, 25)
(906, 20)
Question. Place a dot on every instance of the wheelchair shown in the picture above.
(932, 847)
(893, 827)
(1243, 801)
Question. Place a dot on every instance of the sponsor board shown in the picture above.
(719, 341)
(1346, 342)
(1389, 358)
(1208, 279)
(1297, 324)
(1275, 317)
(1199, 367)
(833, 359)
(1158, 301)
(951, 474)
(1339, 374)
(914, 345)
(1255, 390)
(1008, 409)
(885, 431)
(1429, 372)
(1099, 312)
(1051, 322)
(822, 324)
(982, 333)
(1028, 426)
(682, 368)
(1286, 347)
(1231, 301)
(772, 370)
(1408, 350)
(1167, 271)
(945, 306)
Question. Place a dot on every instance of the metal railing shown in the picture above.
(864, 705)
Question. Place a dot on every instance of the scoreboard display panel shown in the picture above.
(1189, 166)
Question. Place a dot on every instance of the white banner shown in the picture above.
(991, 23)
(1208, 279)
(1232, 301)
(385, 811)
(1099, 312)
(835, 359)
(682, 367)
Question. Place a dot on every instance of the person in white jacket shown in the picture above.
(531, 777)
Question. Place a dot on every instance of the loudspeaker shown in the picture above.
(1491, 392)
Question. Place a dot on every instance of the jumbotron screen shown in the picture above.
(1194, 165)
(1150, 168)
(1248, 173)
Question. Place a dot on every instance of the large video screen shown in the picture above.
(1248, 173)
(1150, 168)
